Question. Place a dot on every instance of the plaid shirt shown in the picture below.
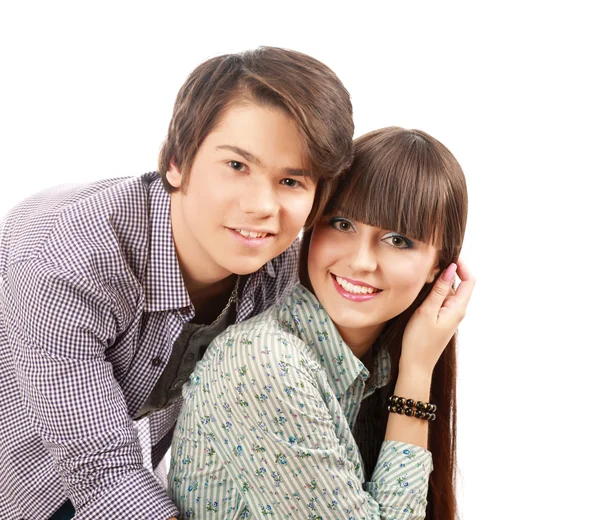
(91, 302)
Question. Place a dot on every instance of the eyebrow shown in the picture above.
(250, 157)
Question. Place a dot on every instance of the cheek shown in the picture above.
(410, 275)
(296, 210)
(204, 205)
(320, 253)
(203, 191)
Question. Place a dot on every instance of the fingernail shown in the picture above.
(449, 273)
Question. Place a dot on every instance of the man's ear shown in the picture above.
(174, 175)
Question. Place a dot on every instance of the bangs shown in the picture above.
(399, 182)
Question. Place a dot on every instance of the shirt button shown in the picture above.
(156, 362)
(178, 383)
(190, 357)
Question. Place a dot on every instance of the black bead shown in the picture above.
(408, 411)
(418, 414)
(410, 403)
(426, 416)
(420, 405)
(432, 418)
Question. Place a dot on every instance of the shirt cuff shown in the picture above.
(401, 478)
(137, 496)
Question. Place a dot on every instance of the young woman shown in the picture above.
(324, 405)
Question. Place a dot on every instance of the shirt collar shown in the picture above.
(302, 313)
(164, 285)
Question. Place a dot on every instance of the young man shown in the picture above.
(110, 292)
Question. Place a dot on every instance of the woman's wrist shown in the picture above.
(414, 369)
(414, 382)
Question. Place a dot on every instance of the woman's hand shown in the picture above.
(435, 321)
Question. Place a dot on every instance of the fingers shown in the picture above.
(440, 291)
(467, 283)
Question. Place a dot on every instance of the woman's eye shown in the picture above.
(341, 224)
(290, 183)
(236, 165)
(398, 241)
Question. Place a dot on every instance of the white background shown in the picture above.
(86, 92)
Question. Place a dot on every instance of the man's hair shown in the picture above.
(306, 89)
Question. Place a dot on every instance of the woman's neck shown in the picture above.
(360, 341)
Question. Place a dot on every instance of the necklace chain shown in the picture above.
(232, 298)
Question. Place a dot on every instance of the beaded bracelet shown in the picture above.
(403, 406)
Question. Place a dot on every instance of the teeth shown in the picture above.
(251, 234)
(354, 289)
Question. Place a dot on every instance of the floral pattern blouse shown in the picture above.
(266, 428)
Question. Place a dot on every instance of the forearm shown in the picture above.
(411, 384)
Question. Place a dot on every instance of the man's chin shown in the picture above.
(245, 267)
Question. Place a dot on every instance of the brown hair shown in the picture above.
(306, 89)
(407, 181)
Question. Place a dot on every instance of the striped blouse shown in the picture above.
(266, 427)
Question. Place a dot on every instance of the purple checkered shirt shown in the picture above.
(91, 302)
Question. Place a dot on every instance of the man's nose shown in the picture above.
(259, 199)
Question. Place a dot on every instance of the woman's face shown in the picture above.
(365, 275)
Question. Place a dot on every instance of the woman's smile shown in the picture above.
(354, 290)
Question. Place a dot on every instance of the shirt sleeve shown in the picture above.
(401, 479)
(259, 434)
(60, 327)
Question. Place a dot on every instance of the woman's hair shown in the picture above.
(407, 181)
(303, 87)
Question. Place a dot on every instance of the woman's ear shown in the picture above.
(433, 274)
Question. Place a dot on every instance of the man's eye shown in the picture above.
(236, 165)
(341, 224)
(290, 183)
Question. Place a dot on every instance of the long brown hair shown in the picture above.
(407, 181)
(300, 85)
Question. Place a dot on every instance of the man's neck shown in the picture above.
(210, 300)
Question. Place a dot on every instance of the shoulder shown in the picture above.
(75, 225)
(84, 243)
(263, 347)
(74, 216)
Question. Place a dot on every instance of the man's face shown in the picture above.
(246, 197)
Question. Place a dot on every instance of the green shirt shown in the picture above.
(266, 427)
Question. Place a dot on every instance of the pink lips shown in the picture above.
(351, 296)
